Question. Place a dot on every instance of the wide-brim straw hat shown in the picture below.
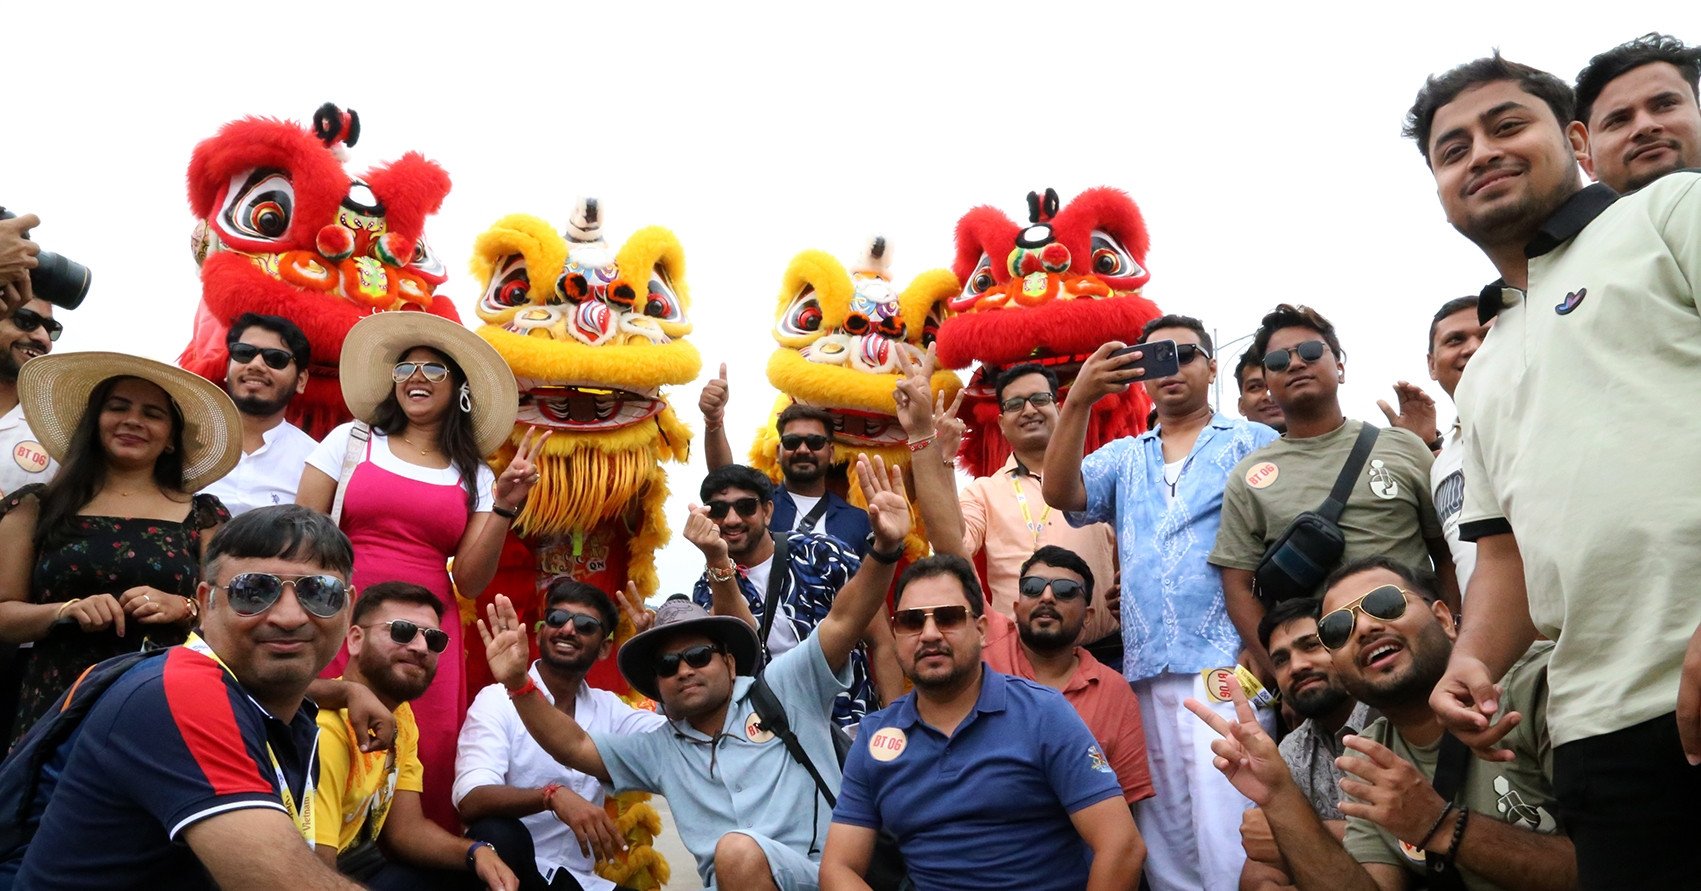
(54, 390)
(376, 343)
(637, 657)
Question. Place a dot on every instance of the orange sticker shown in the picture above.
(1262, 475)
(30, 456)
(887, 743)
(1220, 683)
(1412, 853)
(754, 731)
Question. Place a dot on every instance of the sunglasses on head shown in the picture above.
(699, 656)
(1037, 400)
(945, 618)
(27, 320)
(403, 632)
(1387, 603)
(244, 353)
(1310, 351)
(1187, 352)
(815, 441)
(433, 371)
(582, 624)
(1062, 590)
(252, 593)
(746, 507)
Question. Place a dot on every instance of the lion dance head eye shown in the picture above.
(660, 302)
(259, 206)
(1111, 259)
(511, 286)
(803, 316)
(980, 281)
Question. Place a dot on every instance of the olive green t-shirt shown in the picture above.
(1389, 513)
(1519, 792)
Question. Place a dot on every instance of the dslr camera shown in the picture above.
(58, 279)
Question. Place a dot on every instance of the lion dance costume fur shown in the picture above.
(1049, 292)
(284, 230)
(592, 334)
(839, 331)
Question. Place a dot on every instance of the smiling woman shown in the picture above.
(105, 558)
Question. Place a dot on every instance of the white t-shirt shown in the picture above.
(1172, 474)
(328, 457)
(1447, 484)
(269, 474)
(25, 460)
(781, 635)
(805, 504)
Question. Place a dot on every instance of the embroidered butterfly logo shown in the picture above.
(1571, 301)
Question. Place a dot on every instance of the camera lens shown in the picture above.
(60, 280)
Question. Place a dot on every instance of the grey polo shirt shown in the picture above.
(742, 778)
(1581, 437)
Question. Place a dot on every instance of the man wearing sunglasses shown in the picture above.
(195, 769)
(25, 333)
(1389, 637)
(508, 789)
(985, 779)
(269, 357)
(371, 826)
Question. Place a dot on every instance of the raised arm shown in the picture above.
(506, 650)
(717, 452)
(481, 544)
(1100, 376)
(725, 597)
(863, 597)
(935, 486)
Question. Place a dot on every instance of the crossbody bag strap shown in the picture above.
(1337, 502)
(776, 578)
(1452, 763)
(772, 714)
(807, 522)
(358, 436)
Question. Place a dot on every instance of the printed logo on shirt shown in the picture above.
(1382, 481)
(1262, 475)
(887, 743)
(1450, 496)
(30, 456)
(1513, 809)
(1096, 760)
(1571, 301)
(754, 731)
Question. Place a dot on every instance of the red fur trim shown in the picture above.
(1109, 210)
(984, 230)
(315, 174)
(412, 188)
(1059, 328)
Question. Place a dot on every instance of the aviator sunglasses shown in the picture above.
(27, 320)
(1387, 603)
(1310, 351)
(815, 441)
(699, 656)
(403, 632)
(433, 371)
(945, 618)
(1062, 590)
(746, 507)
(581, 623)
(244, 353)
(252, 593)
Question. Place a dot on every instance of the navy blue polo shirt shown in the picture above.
(988, 807)
(174, 741)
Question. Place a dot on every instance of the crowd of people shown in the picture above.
(1284, 649)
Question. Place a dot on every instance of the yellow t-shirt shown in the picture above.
(355, 788)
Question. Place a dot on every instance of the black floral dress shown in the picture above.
(106, 555)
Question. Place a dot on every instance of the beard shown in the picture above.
(260, 407)
(949, 678)
(9, 366)
(381, 675)
(795, 475)
(1318, 701)
(1055, 638)
(1429, 654)
(571, 665)
(1516, 222)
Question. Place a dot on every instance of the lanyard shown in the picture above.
(302, 816)
(1027, 516)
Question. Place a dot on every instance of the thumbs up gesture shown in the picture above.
(713, 401)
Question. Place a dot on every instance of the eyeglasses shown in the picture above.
(945, 618)
(27, 320)
(1062, 590)
(1386, 603)
(433, 371)
(746, 507)
(582, 624)
(244, 353)
(699, 656)
(252, 593)
(791, 441)
(1187, 352)
(403, 632)
(1037, 400)
(1310, 351)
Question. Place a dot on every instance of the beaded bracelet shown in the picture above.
(1423, 840)
(1458, 833)
(917, 445)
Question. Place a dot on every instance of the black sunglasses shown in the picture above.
(403, 632)
(945, 618)
(1187, 352)
(1386, 603)
(433, 371)
(252, 593)
(1062, 590)
(746, 507)
(27, 320)
(1038, 400)
(815, 441)
(244, 353)
(1310, 351)
(699, 656)
(583, 624)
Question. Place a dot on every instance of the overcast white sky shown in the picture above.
(1260, 140)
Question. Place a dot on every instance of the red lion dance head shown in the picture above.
(1050, 292)
(284, 230)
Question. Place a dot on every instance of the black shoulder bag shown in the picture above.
(1305, 553)
(1452, 762)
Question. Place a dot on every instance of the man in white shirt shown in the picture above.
(24, 334)
(510, 792)
(269, 357)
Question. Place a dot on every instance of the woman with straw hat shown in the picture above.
(408, 483)
(106, 556)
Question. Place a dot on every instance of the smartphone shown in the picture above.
(1156, 357)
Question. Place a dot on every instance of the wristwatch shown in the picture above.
(472, 864)
(888, 557)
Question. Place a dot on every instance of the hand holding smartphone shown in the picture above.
(1157, 359)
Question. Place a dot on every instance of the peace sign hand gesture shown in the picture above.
(517, 480)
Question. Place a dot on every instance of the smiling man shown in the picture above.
(1639, 103)
(28, 332)
(268, 368)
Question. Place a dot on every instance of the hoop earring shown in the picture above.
(466, 399)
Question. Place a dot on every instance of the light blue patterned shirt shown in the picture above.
(1174, 618)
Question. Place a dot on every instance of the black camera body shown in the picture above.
(58, 279)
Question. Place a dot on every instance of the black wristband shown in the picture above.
(1458, 834)
(1436, 443)
(504, 512)
(886, 557)
(472, 865)
(1423, 841)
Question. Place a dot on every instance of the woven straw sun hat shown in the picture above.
(54, 390)
(637, 657)
(376, 343)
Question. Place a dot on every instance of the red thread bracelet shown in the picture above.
(549, 793)
(530, 687)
